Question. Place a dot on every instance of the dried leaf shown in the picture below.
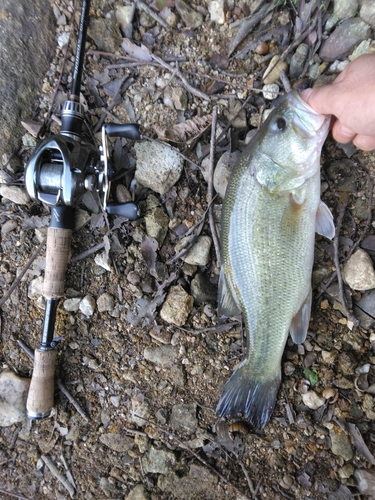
(91, 201)
(185, 132)
(149, 248)
(149, 312)
(97, 221)
(112, 88)
(32, 127)
(107, 245)
(231, 442)
(135, 51)
(34, 222)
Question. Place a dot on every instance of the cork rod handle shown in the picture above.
(57, 258)
(41, 393)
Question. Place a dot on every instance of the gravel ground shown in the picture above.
(147, 374)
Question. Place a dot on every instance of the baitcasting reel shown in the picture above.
(62, 168)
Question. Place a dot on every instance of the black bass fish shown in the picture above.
(271, 211)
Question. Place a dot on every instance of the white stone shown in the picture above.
(365, 481)
(63, 39)
(13, 395)
(87, 305)
(106, 302)
(35, 288)
(159, 166)
(124, 16)
(72, 305)
(367, 12)
(270, 91)
(216, 10)
(345, 8)
(312, 400)
(102, 260)
(358, 271)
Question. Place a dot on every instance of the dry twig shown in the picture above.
(13, 495)
(60, 477)
(248, 479)
(342, 298)
(210, 188)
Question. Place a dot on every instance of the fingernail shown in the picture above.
(305, 94)
(346, 132)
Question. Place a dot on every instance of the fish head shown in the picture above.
(291, 141)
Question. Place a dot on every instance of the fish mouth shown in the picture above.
(306, 121)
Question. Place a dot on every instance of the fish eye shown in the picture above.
(281, 124)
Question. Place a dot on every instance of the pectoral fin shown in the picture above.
(324, 221)
(300, 322)
(227, 306)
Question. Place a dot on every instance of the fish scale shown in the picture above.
(270, 212)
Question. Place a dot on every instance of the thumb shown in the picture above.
(319, 99)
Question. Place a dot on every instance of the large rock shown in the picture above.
(27, 45)
(367, 12)
(358, 271)
(13, 394)
(344, 39)
(159, 166)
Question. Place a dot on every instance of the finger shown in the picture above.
(341, 133)
(365, 142)
(320, 99)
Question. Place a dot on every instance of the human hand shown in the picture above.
(350, 99)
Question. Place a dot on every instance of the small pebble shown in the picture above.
(340, 445)
(105, 302)
(8, 226)
(270, 91)
(312, 400)
(216, 10)
(199, 253)
(102, 260)
(272, 73)
(87, 305)
(72, 305)
(262, 49)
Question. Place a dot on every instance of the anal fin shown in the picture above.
(227, 306)
(300, 322)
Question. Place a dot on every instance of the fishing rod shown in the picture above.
(62, 168)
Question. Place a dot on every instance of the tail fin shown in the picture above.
(254, 396)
